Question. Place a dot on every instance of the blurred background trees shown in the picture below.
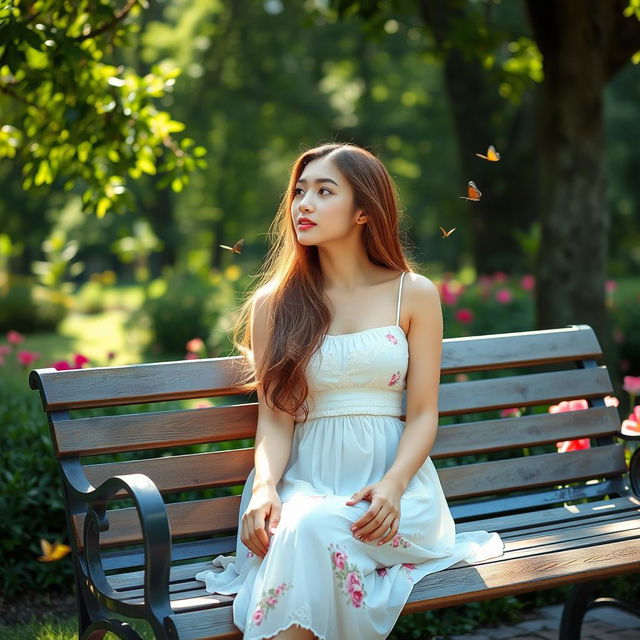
(146, 136)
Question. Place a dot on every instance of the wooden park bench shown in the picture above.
(568, 518)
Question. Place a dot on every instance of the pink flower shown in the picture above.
(408, 566)
(27, 358)
(465, 316)
(394, 378)
(505, 413)
(568, 405)
(381, 572)
(13, 337)
(391, 338)
(356, 597)
(450, 291)
(499, 276)
(573, 445)
(279, 589)
(272, 601)
(250, 554)
(631, 426)
(62, 365)
(396, 540)
(79, 359)
(610, 285)
(632, 385)
(258, 616)
(528, 282)
(503, 296)
(339, 559)
(353, 582)
(5, 349)
(611, 401)
(195, 345)
(191, 356)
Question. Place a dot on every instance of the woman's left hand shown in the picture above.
(382, 518)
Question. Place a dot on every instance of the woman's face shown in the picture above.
(324, 196)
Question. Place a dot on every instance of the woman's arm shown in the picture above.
(423, 381)
(275, 427)
(272, 449)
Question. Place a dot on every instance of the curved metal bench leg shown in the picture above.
(580, 596)
(579, 602)
(97, 630)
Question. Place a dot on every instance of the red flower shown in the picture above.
(503, 296)
(27, 358)
(79, 359)
(577, 405)
(13, 337)
(63, 365)
(465, 316)
(528, 282)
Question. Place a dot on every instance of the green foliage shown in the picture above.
(30, 495)
(72, 115)
(27, 307)
(181, 307)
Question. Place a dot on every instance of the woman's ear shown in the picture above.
(362, 218)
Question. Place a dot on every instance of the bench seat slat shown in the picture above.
(466, 584)
(567, 513)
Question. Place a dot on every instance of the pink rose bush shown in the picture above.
(631, 426)
(349, 578)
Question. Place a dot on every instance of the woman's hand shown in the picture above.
(382, 519)
(262, 515)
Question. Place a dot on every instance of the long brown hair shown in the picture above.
(294, 281)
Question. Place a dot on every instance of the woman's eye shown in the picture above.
(325, 189)
(297, 191)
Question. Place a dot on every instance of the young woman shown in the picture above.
(343, 511)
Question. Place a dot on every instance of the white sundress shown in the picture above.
(315, 573)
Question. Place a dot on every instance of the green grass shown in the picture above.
(49, 627)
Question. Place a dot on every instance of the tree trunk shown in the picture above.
(581, 42)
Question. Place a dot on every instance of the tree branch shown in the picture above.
(117, 17)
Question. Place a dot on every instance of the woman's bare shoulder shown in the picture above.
(420, 293)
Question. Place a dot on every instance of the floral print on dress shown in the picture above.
(382, 572)
(394, 379)
(268, 601)
(399, 541)
(391, 338)
(408, 568)
(350, 579)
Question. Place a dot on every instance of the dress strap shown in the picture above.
(399, 298)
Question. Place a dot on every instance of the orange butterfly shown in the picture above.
(53, 552)
(492, 155)
(446, 234)
(473, 193)
(237, 247)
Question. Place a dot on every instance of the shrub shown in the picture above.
(31, 307)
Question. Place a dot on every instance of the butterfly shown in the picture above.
(53, 552)
(237, 247)
(492, 155)
(446, 234)
(473, 193)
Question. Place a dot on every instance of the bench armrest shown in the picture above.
(156, 535)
